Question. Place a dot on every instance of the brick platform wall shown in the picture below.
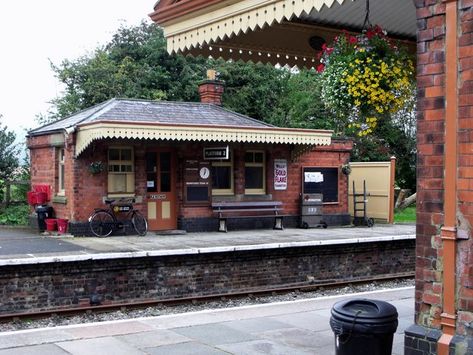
(430, 173)
(69, 284)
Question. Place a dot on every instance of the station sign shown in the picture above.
(216, 153)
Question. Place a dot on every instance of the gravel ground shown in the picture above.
(191, 307)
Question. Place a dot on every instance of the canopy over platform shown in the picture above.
(179, 121)
(285, 32)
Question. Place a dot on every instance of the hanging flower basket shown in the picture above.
(346, 169)
(365, 77)
(96, 167)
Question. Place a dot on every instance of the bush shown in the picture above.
(14, 215)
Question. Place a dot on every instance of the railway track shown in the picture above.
(193, 300)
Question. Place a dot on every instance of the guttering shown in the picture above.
(449, 230)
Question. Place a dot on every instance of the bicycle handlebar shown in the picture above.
(123, 200)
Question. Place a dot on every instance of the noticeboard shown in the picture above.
(197, 181)
(321, 181)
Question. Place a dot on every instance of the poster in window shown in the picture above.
(280, 174)
(321, 180)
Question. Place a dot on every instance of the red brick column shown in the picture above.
(444, 264)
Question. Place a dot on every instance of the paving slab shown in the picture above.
(46, 349)
(157, 337)
(102, 346)
(193, 348)
(214, 334)
(263, 347)
(256, 325)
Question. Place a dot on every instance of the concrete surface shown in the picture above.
(298, 327)
(18, 246)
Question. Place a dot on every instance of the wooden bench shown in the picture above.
(247, 209)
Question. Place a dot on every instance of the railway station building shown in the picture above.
(177, 159)
(290, 32)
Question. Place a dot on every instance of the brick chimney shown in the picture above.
(211, 89)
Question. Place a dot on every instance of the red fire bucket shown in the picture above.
(31, 196)
(41, 198)
(62, 225)
(51, 224)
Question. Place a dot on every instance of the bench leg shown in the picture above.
(278, 223)
(222, 225)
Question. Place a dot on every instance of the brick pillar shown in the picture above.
(444, 250)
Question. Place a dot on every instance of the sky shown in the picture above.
(33, 33)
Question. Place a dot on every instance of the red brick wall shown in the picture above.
(70, 284)
(84, 191)
(430, 167)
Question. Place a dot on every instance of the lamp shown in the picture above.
(316, 42)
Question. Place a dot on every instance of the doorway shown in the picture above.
(161, 189)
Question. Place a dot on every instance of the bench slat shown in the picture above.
(249, 210)
(246, 203)
(244, 209)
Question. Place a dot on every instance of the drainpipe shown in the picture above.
(448, 233)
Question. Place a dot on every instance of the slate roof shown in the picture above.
(159, 112)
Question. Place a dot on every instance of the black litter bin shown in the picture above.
(363, 326)
(43, 212)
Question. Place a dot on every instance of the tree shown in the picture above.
(300, 104)
(9, 152)
(135, 64)
(251, 89)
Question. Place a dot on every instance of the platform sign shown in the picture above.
(280, 174)
(216, 153)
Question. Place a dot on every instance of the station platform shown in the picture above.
(296, 327)
(25, 246)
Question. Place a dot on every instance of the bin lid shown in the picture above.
(367, 315)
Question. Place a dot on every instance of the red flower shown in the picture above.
(370, 33)
(320, 68)
(352, 40)
(329, 50)
(324, 47)
(378, 29)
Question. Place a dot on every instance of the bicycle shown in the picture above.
(103, 222)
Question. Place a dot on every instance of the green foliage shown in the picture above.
(9, 152)
(135, 64)
(14, 215)
(300, 105)
(407, 215)
(251, 89)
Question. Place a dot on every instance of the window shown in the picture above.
(222, 177)
(60, 171)
(121, 174)
(255, 181)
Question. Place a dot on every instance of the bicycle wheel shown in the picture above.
(139, 223)
(101, 223)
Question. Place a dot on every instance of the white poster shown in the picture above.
(313, 177)
(280, 174)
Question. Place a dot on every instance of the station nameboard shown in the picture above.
(216, 153)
